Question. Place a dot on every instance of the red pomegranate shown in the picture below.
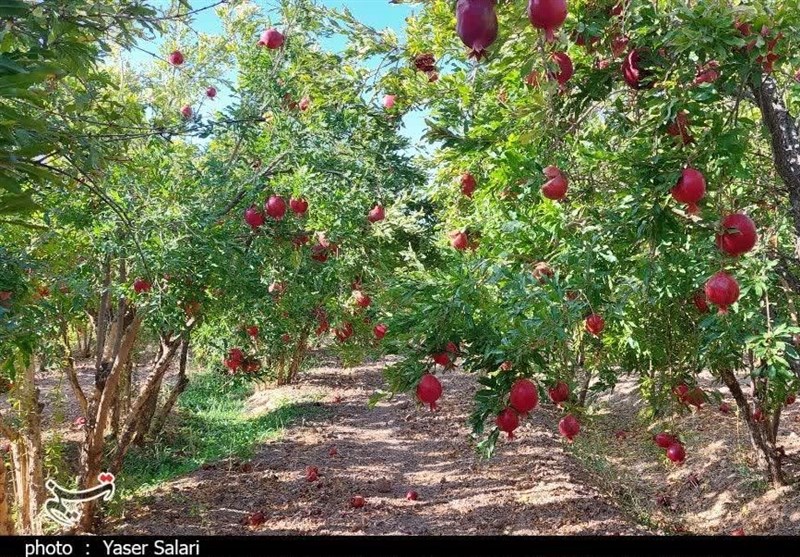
(722, 290)
(357, 501)
(252, 330)
(676, 453)
(312, 473)
(758, 414)
(412, 495)
(186, 111)
(211, 92)
(680, 128)
(565, 68)
(559, 393)
(362, 299)
(299, 206)
(524, 396)
(459, 240)
(547, 15)
(468, 184)
(141, 285)
(442, 358)
(271, 38)
(254, 217)
(451, 347)
(791, 399)
(389, 101)
(681, 391)
(476, 25)
(556, 186)
(344, 332)
(376, 214)
(632, 71)
(708, 73)
(690, 188)
(664, 439)
(569, 426)
(725, 408)
(595, 324)
(429, 390)
(738, 234)
(695, 397)
(5, 295)
(380, 331)
(738, 532)
(700, 301)
(175, 58)
(508, 421)
(275, 207)
(305, 102)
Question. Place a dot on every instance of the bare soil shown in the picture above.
(532, 486)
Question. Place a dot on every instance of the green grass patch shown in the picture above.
(211, 424)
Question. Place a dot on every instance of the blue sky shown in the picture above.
(375, 13)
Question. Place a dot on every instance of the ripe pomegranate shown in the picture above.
(758, 414)
(618, 44)
(299, 206)
(569, 426)
(451, 347)
(632, 71)
(556, 186)
(738, 234)
(380, 331)
(524, 396)
(791, 399)
(565, 68)
(722, 290)
(344, 332)
(559, 393)
(312, 473)
(664, 439)
(468, 184)
(508, 421)
(690, 188)
(175, 58)
(275, 207)
(547, 15)
(252, 330)
(725, 408)
(271, 38)
(595, 324)
(357, 501)
(476, 25)
(376, 214)
(388, 102)
(412, 495)
(459, 240)
(700, 301)
(141, 285)
(362, 300)
(680, 128)
(186, 111)
(617, 9)
(305, 102)
(442, 358)
(681, 391)
(707, 73)
(211, 92)
(254, 217)
(676, 453)
(256, 519)
(429, 390)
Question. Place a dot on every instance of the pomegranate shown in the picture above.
(451, 347)
(547, 15)
(412, 495)
(508, 421)
(271, 38)
(524, 396)
(322, 327)
(617, 9)
(254, 217)
(175, 58)
(681, 391)
(595, 324)
(186, 111)
(559, 393)
(700, 301)
(275, 207)
(211, 92)
(632, 71)
(680, 128)
(312, 473)
(791, 399)
(738, 234)
(256, 519)
(252, 330)
(725, 408)
(618, 44)
(722, 290)
(344, 332)
(362, 300)
(376, 214)
(141, 285)
(664, 439)
(569, 426)
(388, 102)
(690, 188)
(305, 102)
(468, 184)
(565, 68)
(442, 358)
(707, 73)
(476, 24)
(676, 453)
(758, 414)
(429, 390)
(299, 206)
(738, 532)
(556, 186)
(357, 501)
(380, 331)
(459, 240)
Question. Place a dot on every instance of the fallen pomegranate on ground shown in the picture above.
(357, 501)
(412, 495)
(312, 473)
(676, 453)
(569, 426)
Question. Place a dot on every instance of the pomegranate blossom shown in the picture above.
(476, 24)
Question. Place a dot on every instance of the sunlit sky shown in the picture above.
(375, 13)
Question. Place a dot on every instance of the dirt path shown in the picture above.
(530, 487)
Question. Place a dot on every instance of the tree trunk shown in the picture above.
(6, 523)
(72, 374)
(769, 456)
(297, 357)
(183, 381)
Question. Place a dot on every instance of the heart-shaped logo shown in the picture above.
(106, 478)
